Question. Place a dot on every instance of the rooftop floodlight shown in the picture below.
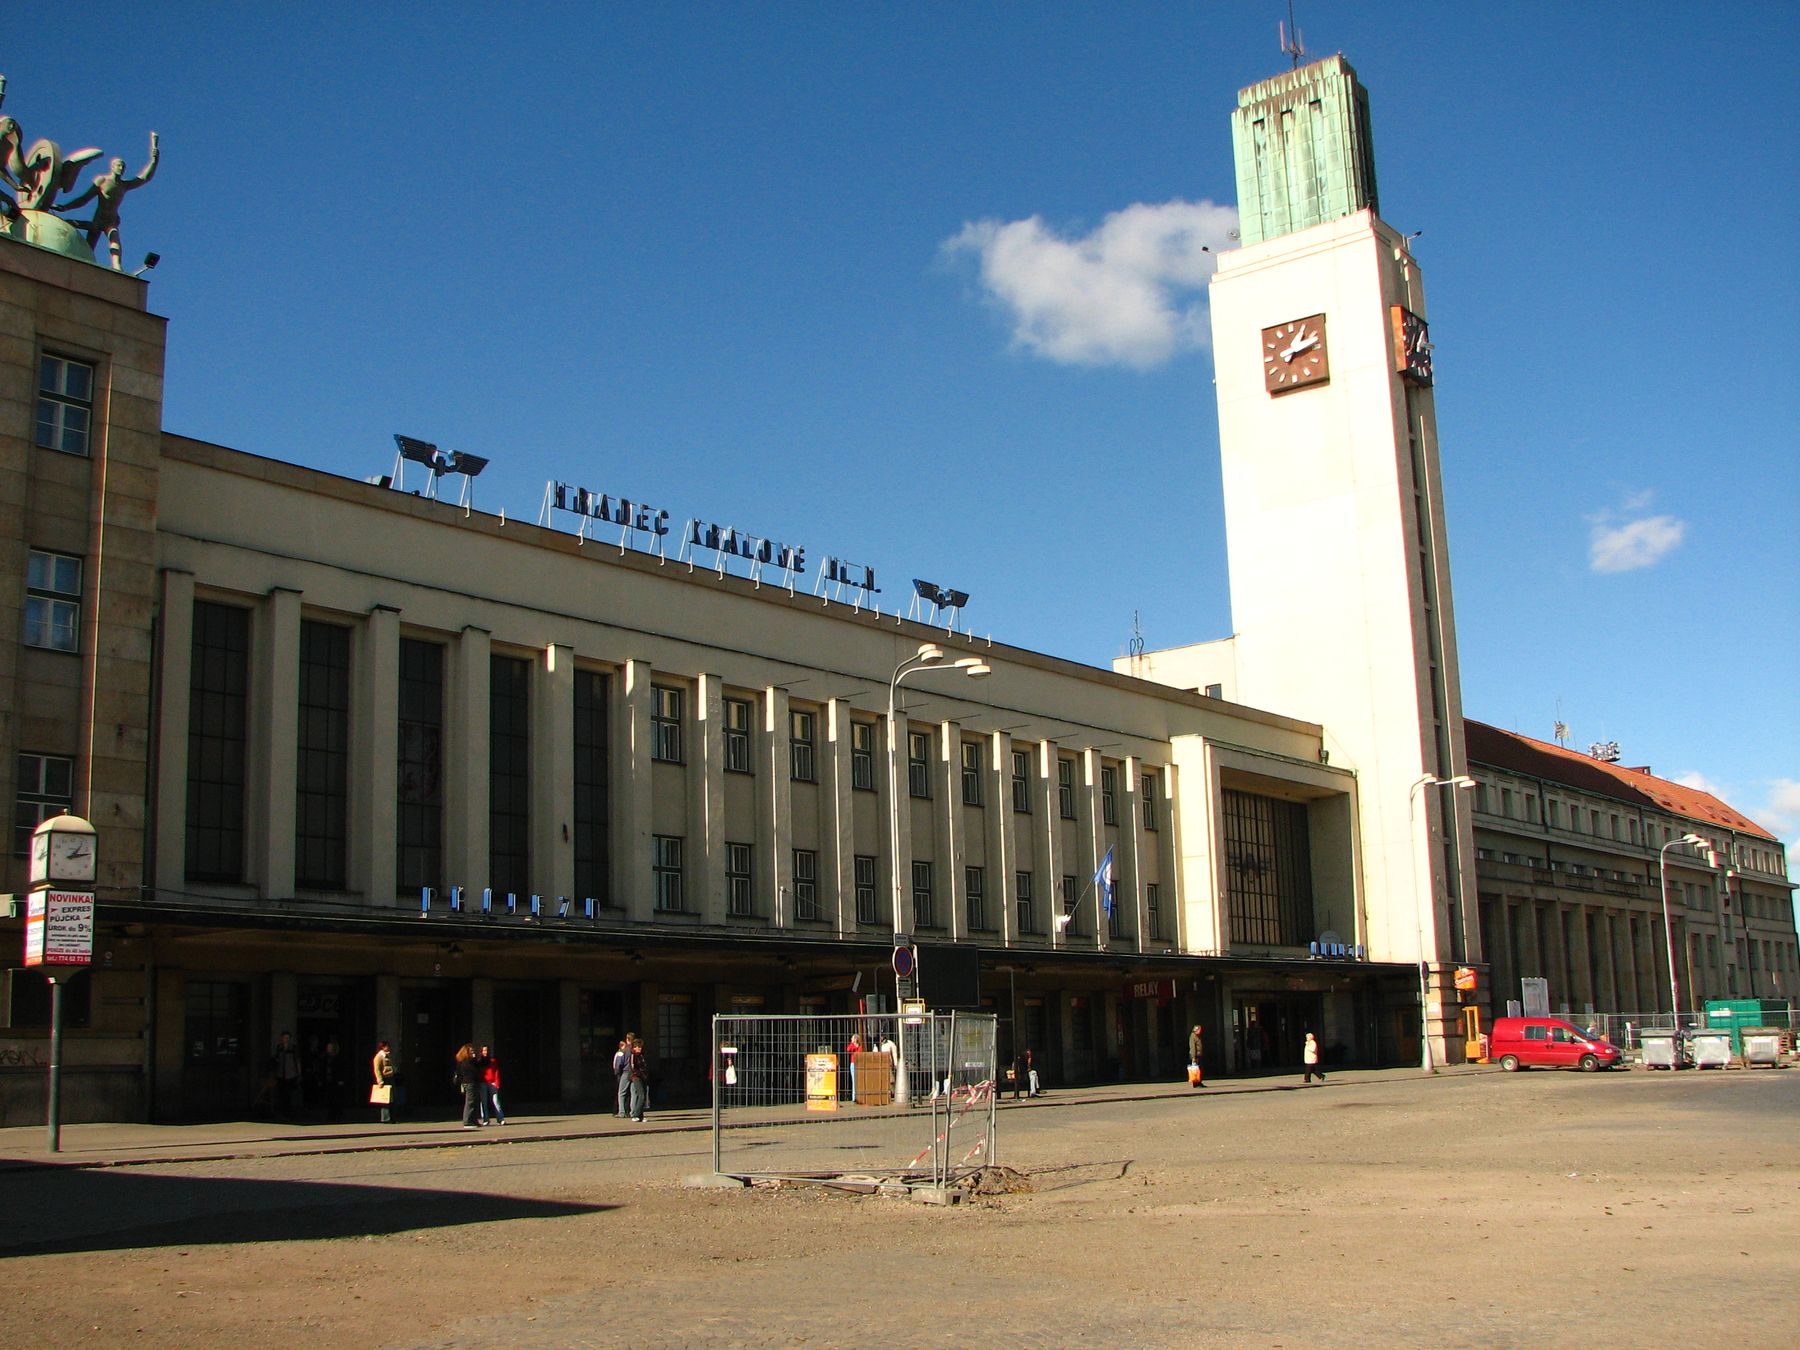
(465, 464)
(953, 599)
(150, 261)
(419, 452)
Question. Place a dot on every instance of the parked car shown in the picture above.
(1548, 1042)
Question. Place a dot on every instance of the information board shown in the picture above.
(59, 928)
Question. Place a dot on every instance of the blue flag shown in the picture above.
(1103, 882)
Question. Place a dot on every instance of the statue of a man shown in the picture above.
(106, 192)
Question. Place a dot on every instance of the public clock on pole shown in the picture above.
(1412, 344)
(62, 849)
(1294, 355)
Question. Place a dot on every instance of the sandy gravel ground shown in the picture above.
(1543, 1209)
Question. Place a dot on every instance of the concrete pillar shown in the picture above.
(284, 1003)
(175, 637)
(553, 774)
(1047, 846)
(633, 881)
(568, 1009)
(1002, 841)
(1129, 870)
(947, 814)
(481, 1011)
(773, 846)
(387, 1010)
(837, 822)
(466, 768)
(706, 799)
(374, 757)
(1090, 845)
(274, 743)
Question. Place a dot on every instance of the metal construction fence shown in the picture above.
(1626, 1030)
(889, 1096)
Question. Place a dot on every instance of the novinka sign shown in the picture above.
(59, 928)
(636, 519)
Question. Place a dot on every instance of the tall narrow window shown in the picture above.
(53, 601)
(1109, 796)
(593, 851)
(737, 736)
(1153, 910)
(1021, 782)
(806, 884)
(800, 745)
(1065, 788)
(46, 789)
(924, 908)
(665, 723)
(867, 911)
(322, 758)
(918, 763)
(1027, 904)
(971, 773)
(1115, 919)
(740, 900)
(65, 405)
(862, 756)
(509, 775)
(1268, 870)
(217, 735)
(665, 863)
(1147, 794)
(1070, 907)
(419, 771)
(975, 893)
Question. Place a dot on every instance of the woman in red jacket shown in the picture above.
(490, 1088)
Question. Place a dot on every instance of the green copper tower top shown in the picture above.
(1303, 150)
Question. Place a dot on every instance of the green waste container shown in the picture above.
(1735, 1015)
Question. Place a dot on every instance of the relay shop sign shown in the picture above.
(59, 928)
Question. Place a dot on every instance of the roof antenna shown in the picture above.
(1291, 47)
(1137, 638)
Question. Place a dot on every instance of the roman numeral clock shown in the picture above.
(1295, 355)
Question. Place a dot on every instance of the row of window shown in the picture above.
(668, 705)
(667, 868)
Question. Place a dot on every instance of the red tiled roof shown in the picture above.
(1639, 787)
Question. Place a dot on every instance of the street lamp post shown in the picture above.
(1662, 868)
(1463, 783)
(930, 656)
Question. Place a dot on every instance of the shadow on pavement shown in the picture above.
(61, 1210)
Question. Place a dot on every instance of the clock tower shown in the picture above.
(1340, 569)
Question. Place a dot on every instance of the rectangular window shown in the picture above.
(665, 723)
(29, 1001)
(1148, 793)
(419, 772)
(1065, 788)
(674, 1027)
(866, 908)
(593, 848)
(739, 901)
(1021, 782)
(218, 720)
(971, 773)
(862, 756)
(217, 1022)
(806, 884)
(1027, 905)
(737, 736)
(65, 405)
(46, 789)
(665, 862)
(1268, 870)
(924, 909)
(975, 893)
(918, 763)
(322, 758)
(1115, 920)
(1109, 796)
(509, 775)
(800, 746)
(1153, 910)
(53, 601)
(1070, 899)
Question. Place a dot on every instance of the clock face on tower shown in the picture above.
(1294, 355)
(1412, 345)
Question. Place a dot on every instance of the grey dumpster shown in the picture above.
(1660, 1048)
(1762, 1045)
(1711, 1049)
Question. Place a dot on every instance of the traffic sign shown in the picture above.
(903, 961)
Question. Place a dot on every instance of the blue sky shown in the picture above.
(920, 285)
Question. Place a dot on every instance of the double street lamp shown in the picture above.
(1662, 866)
(1463, 783)
(929, 657)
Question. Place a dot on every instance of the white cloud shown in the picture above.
(1700, 782)
(1131, 292)
(1783, 809)
(1626, 546)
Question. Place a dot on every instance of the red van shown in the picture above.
(1549, 1042)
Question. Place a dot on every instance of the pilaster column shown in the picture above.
(633, 880)
(274, 743)
(1002, 848)
(1047, 851)
(175, 639)
(1091, 839)
(374, 759)
(466, 768)
(837, 822)
(946, 791)
(553, 773)
(1130, 892)
(772, 857)
(706, 799)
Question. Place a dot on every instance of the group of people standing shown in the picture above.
(478, 1075)
(632, 1072)
(299, 1078)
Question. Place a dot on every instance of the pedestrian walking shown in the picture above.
(851, 1051)
(640, 1080)
(381, 1092)
(1309, 1056)
(468, 1078)
(1196, 1047)
(1031, 1078)
(621, 1067)
(492, 1112)
(284, 1063)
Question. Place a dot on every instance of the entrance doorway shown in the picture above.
(528, 1042)
(1269, 1030)
(434, 1022)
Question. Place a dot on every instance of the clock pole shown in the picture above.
(59, 929)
